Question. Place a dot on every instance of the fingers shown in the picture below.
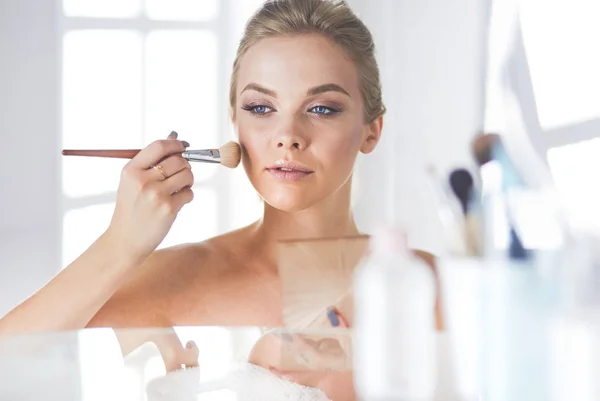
(169, 195)
(322, 355)
(183, 359)
(314, 352)
(165, 203)
(336, 319)
(179, 199)
(175, 356)
(191, 355)
(177, 182)
(169, 167)
(157, 151)
(327, 353)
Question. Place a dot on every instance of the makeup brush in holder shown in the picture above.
(229, 155)
(487, 148)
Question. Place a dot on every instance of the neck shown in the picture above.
(329, 218)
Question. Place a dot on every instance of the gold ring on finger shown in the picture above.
(159, 168)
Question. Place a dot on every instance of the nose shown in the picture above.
(291, 137)
(289, 143)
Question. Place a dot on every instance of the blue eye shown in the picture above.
(260, 109)
(324, 111)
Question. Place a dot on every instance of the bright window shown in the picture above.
(576, 171)
(562, 38)
(180, 89)
(101, 105)
(82, 226)
(100, 9)
(182, 10)
(128, 80)
(545, 53)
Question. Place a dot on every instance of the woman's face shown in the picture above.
(299, 119)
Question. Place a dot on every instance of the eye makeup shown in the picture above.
(261, 109)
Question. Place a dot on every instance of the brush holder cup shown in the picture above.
(499, 319)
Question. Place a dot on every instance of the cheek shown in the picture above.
(340, 150)
(253, 143)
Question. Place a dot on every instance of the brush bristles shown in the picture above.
(231, 154)
(482, 147)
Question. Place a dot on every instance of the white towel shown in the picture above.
(245, 382)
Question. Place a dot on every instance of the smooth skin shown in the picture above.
(298, 100)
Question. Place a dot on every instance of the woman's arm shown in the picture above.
(74, 296)
(148, 200)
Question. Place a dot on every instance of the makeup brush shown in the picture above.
(482, 146)
(461, 182)
(448, 213)
(490, 147)
(229, 155)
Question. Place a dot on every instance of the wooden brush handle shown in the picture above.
(113, 153)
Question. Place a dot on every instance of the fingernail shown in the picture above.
(186, 144)
(173, 134)
(333, 318)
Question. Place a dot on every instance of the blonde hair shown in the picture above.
(333, 19)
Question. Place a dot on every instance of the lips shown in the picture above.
(289, 171)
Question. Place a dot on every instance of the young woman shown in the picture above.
(305, 100)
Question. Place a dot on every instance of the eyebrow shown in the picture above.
(261, 89)
(327, 88)
(311, 92)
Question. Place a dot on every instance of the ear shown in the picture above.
(373, 135)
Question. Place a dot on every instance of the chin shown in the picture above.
(288, 203)
(289, 198)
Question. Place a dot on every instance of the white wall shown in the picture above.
(432, 62)
(29, 147)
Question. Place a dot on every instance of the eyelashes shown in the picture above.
(261, 110)
(325, 110)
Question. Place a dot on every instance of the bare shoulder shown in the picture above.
(148, 297)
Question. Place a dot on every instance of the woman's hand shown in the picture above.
(323, 354)
(175, 356)
(148, 200)
(154, 186)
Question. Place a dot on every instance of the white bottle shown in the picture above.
(394, 323)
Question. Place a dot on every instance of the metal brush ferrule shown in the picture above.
(203, 155)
